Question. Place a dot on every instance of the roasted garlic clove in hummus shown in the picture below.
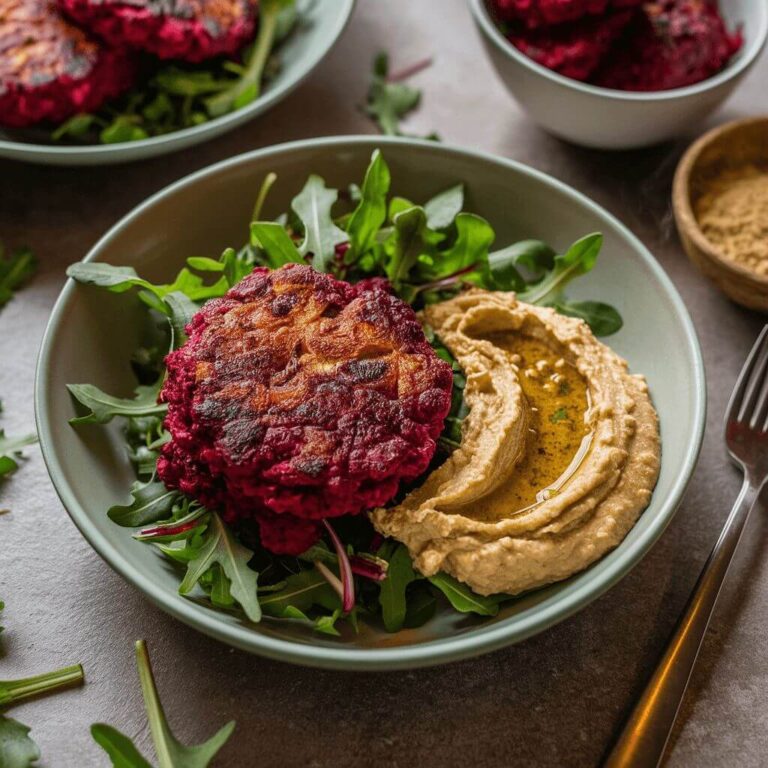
(559, 453)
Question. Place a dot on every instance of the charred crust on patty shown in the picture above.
(50, 69)
(284, 412)
(190, 30)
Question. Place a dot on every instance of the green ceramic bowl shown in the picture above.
(92, 333)
(323, 21)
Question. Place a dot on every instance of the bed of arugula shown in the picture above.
(428, 253)
(173, 96)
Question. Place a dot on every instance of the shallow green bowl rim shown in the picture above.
(481, 639)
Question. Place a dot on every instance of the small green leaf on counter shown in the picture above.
(171, 753)
(17, 749)
(15, 269)
(10, 450)
(120, 749)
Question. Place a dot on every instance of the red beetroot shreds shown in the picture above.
(573, 50)
(673, 44)
(50, 69)
(191, 30)
(543, 13)
(299, 397)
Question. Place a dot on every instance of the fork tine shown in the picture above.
(746, 385)
(759, 412)
(751, 395)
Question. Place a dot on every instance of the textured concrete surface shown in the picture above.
(555, 700)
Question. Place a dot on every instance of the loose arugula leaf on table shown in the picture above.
(119, 748)
(220, 546)
(390, 100)
(171, 753)
(10, 450)
(17, 749)
(321, 235)
(103, 407)
(15, 269)
(14, 691)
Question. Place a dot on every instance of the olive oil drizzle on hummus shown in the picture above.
(558, 399)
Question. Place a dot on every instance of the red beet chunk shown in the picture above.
(674, 43)
(574, 50)
(543, 13)
(299, 397)
(190, 30)
(50, 69)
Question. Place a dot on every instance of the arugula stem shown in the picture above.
(152, 703)
(266, 185)
(413, 69)
(12, 691)
(222, 103)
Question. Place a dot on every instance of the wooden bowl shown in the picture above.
(731, 145)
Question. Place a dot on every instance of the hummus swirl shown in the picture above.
(470, 517)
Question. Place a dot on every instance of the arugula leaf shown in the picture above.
(321, 236)
(302, 591)
(371, 212)
(463, 599)
(579, 259)
(248, 87)
(503, 264)
(17, 750)
(10, 450)
(121, 279)
(15, 270)
(181, 309)
(442, 209)
(409, 242)
(120, 749)
(473, 239)
(389, 102)
(115, 279)
(152, 501)
(170, 752)
(392, 596)
(603, 319)
(103, 407)
(220, 546)
(277, 244)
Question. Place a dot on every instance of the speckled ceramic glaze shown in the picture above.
(322, 22)
(92, 333)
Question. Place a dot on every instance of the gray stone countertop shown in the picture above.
(554, 700)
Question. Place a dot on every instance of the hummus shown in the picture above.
(559, 453)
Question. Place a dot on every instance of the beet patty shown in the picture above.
(192, 30)
(297, 397)
(50, 69)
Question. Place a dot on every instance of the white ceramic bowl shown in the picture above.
(604, 118)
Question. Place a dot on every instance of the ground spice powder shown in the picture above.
(733, 215)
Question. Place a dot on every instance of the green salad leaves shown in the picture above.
(177, 96)
(171, 753)
(428, 252)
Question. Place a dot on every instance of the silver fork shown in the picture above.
(644, 738)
